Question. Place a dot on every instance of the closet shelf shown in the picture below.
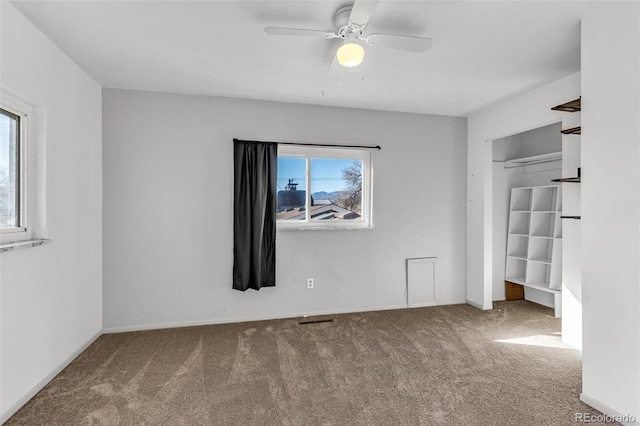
(545, 261)
(520, 280)
(542, 286)
(571, 106)
(518, 256)
(534, 159)
(572, 131)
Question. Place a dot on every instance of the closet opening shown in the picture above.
(527, 228)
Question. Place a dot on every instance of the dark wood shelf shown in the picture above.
(572, 106)
(572, 131)
(576, 179)
(569, 179)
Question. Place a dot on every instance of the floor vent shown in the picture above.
(317, 321)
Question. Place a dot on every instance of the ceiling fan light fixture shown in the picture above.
(350, 54)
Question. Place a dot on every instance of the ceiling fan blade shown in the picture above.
(282, 31)
(331, 56)
(393, 41)
(362, 11)
(334, 67)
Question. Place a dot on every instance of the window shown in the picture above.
(323, 188)
(15, 220)
(9, 170)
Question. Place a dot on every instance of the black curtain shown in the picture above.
(254, 218)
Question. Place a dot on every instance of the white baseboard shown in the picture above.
(195, 323)
(422, 305)
(451, 302)
(42, 383)
(479, 306)
(625, 419)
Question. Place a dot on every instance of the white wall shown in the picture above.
(503, 181)
(50, 296)
(611, 206)
(571, 237)
(518, 114)
(542, 140)
(168, 172)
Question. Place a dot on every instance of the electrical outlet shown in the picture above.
(309, 282)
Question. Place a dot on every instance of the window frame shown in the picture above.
(24, 111)
(310, 152)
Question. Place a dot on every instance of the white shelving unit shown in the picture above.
(534, 242)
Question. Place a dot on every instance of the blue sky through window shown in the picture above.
(8, 170)
(326, 173)
(5, 136)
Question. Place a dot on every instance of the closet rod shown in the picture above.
(527, 164)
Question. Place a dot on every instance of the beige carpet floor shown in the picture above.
(451, 365)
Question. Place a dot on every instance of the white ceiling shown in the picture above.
(483, 51)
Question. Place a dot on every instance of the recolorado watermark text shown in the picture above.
(604, 418)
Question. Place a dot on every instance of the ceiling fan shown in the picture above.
(350, 23)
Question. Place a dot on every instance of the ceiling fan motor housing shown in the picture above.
(341, 18)
(347, 29)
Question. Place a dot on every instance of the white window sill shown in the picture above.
(22, 245)
(324, 228)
